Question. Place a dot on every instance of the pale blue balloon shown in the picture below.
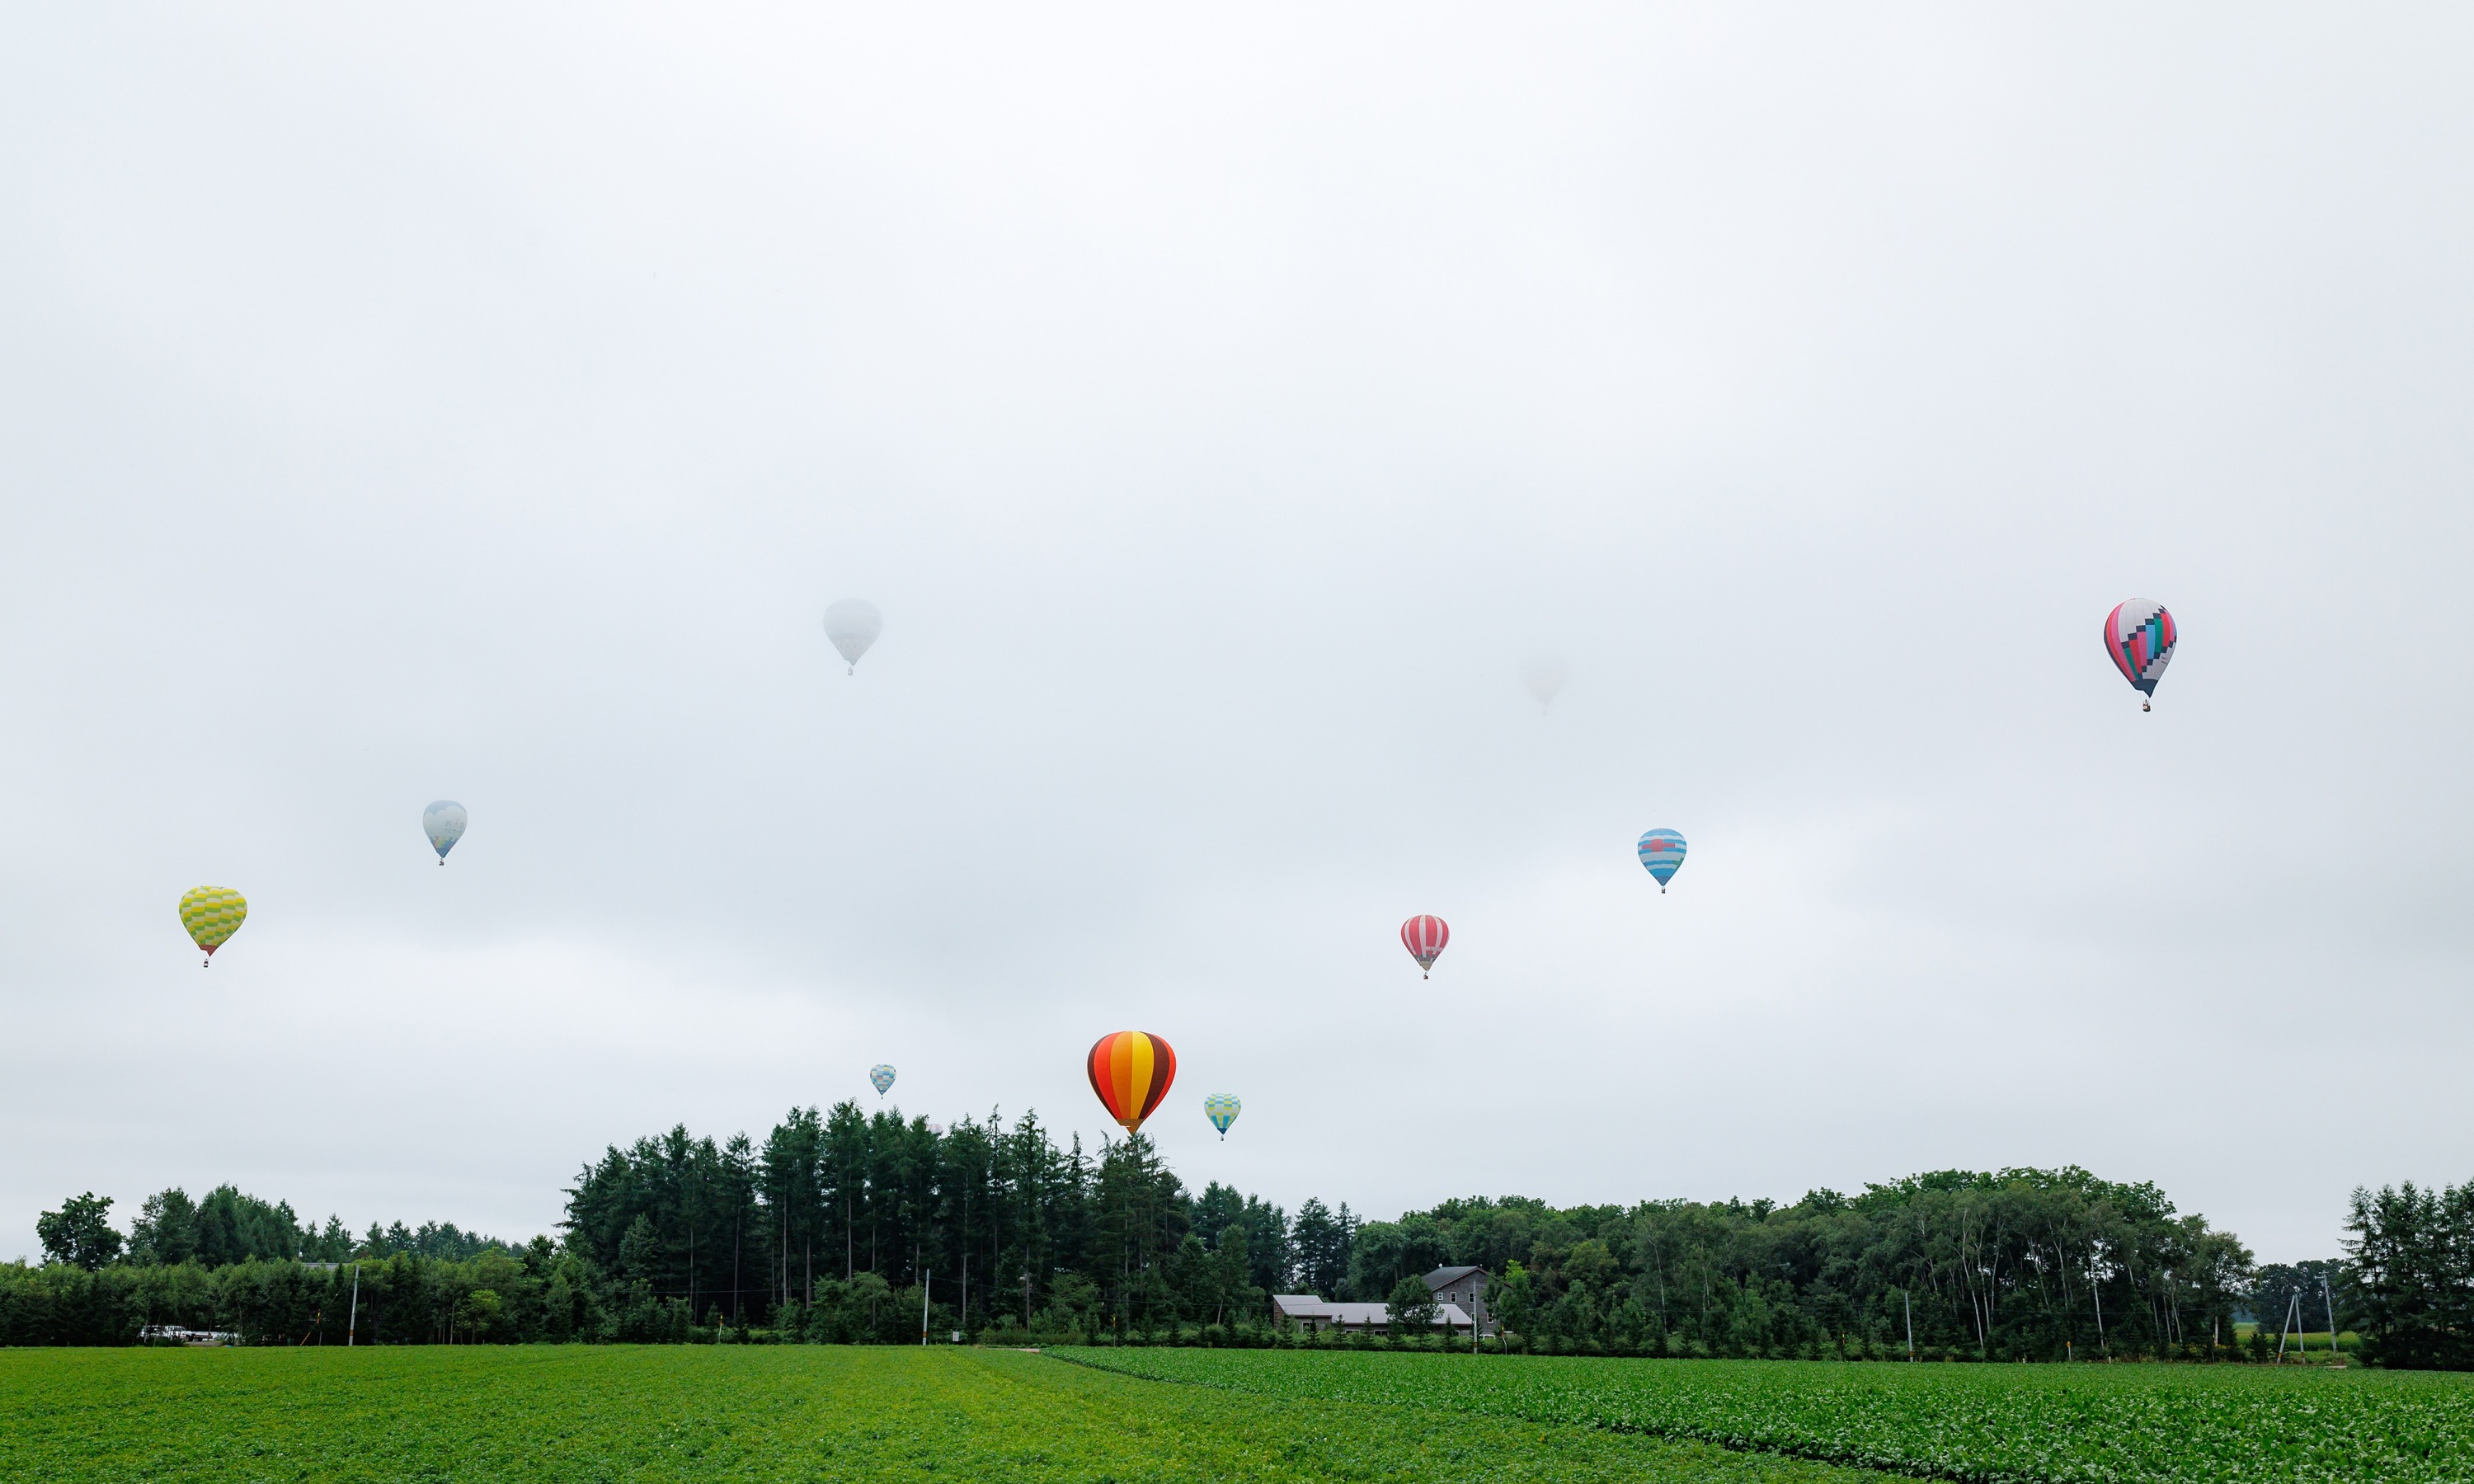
(443, 823)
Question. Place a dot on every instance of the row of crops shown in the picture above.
(654, 1414)
(2008, 1424)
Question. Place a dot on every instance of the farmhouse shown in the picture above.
(1460, 1306)
(1466, 1288)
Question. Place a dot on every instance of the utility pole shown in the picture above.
(355, 1333)
(2330, 1300)
(1909, 1304)
(927, 1286)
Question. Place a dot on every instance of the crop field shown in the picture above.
(2049, 1425)
(755, 1412)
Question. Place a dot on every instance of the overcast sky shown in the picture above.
(1222, 404)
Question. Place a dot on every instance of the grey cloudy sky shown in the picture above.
(1221, 404)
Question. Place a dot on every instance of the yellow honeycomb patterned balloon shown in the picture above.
(212, 914)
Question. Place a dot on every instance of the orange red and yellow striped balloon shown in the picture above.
(1130, 1070)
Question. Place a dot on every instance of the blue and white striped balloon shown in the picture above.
(1661, 852)
(882, 1076)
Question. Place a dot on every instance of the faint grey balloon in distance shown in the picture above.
(853, 625)
(1545, 679)
(443, 823)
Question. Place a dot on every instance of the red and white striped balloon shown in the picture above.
(1424, 938)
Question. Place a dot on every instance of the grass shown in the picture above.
(2032, 1424)
(726, 1412)
(2314, 1347)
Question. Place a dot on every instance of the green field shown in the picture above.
(859, 1413)
(2058, 1423)
(753, 1412)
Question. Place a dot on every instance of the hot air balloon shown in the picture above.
(1545, 679)
(2141, 636)
(882, 1076)
(1661, 851)
(443, 823)
(1130, 1070)
(853, 625)
(1424, 938)
(212, 914)
(1221, 1109)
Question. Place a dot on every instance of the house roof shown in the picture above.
(1307, 1306)
(1442, 1277)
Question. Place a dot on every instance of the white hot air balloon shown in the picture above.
(1545, 679)
(853, 625)
(443, 823)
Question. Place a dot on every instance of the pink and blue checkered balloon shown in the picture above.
(2140, 637)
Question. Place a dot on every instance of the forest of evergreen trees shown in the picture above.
(843, 1224)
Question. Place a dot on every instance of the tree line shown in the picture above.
(846, 1225)
(2016, 1264)
(2412, 1276)
(228, 1226)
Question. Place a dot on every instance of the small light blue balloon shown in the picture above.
(443, 823)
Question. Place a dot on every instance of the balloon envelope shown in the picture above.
(2140, 637)
(1661, 851)
(1545, 679)
(1424, 938)
(443, 823)
(1221, 1109)
(212, 914)
(882, 1075)
(853, 625)
(1130, 1071)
